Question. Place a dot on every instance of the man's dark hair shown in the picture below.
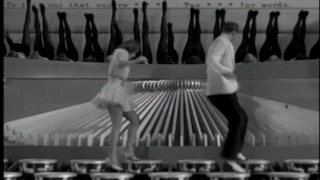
(230, 27)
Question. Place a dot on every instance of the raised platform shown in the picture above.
(166, 154)
(37, 69)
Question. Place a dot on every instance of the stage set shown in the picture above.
(51, 131)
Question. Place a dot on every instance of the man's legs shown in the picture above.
(243, 130)
(237, 118)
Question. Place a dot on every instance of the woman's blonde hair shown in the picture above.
(131, 46)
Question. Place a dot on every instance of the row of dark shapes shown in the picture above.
(145, 169)
(193, 52)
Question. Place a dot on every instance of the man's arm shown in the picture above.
(213, 60)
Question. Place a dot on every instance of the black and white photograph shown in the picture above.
(161, 89)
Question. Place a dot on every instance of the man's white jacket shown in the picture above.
(220, 60)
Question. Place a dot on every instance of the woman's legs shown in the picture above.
(119, 36)
(113, 34)
(48, 51)
(72, 52)
(222, 19)
(132, 131)
(291, 50)
(13, 46)
(242, 51)
(116, 115)
(146, 49)
(252, 38)
(88, 51)
(38, 41)
(97, 50)
(216, 28)
(314, 50)
(62, 49)
(301, 46)
(9, 41)
(25, 48)
(265, 52)
(275, 49)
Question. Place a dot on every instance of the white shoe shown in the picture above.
(129, 156)
(114, 165)
(236, 167)
(258, 169)
(313, 169)
(241, 157)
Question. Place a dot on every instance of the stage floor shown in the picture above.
(166, 154)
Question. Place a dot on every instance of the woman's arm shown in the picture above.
(142, 59)
(122, 58)
(139, 60)
(130, 62)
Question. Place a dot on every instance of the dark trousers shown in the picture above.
(237, 118)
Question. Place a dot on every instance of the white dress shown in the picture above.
(114, 92)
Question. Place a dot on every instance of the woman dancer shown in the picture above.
(21, 50)
(43, 50)
(114, 98)
(92, 50)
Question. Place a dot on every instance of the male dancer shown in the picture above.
(222, 87)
